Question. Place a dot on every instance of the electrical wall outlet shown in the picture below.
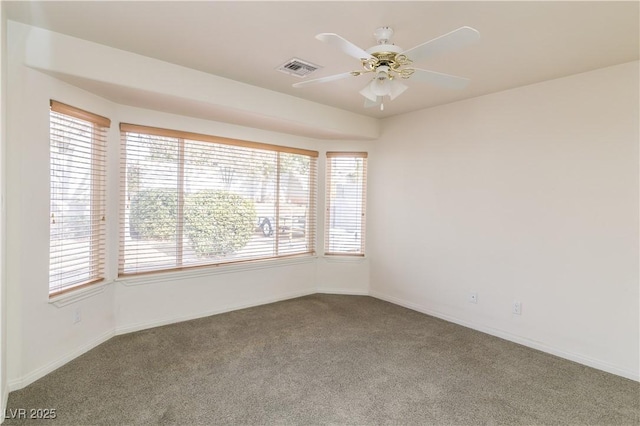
(517, 307)
(77, 316)
(473, 297)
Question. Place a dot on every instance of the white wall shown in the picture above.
(42, 336)
(529, 194)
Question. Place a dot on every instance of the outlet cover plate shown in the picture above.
(517, 307)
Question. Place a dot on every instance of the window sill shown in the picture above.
(338, 258)
(157, 277)
(77, 295)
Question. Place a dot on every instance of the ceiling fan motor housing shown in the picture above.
(388, 56)
(384, 48)
(385, 54)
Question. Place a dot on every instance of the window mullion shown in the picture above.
(277, 218)
(95, 205)
(180, 206)
(363, 206)
(327, 213)
(311, 219)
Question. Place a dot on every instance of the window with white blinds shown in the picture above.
(346, 199)
(193, 200)
(77, 198)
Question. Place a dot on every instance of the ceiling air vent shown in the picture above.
(298, 67)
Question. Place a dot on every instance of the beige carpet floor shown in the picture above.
(325, 359)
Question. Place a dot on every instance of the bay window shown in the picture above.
(191, 200)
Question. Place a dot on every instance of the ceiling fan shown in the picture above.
(388, 63)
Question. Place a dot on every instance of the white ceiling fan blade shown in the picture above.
(439, 79)
(343, 44)
(324, 79)
(455, 39)
(368, 103)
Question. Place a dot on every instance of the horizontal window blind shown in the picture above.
(345, 201)
(77, 197)
(192, 200)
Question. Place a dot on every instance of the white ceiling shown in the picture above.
(521, 42)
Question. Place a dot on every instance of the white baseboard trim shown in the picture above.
(581, 359)
(48, 368)
(172, 320)
(348, 292)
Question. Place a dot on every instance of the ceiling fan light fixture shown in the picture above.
(396, 89)
(368, 93)
(382, 72)
(381, 84)
(369, 103)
